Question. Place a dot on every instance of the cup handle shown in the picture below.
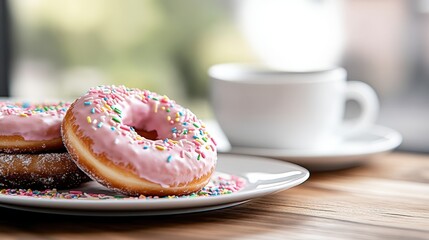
(366, 97)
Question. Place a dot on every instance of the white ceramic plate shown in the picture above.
(352, 151)
(263, 176)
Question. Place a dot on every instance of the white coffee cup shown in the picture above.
(266, 108)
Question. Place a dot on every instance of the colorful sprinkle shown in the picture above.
(26, 109)
(159, 147)
(116, 119)
(117, 110)
(155, 109)
(221, 184)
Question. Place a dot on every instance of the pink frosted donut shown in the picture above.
(31, 128)
(138, 142)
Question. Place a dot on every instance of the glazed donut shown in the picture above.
(44, 170)
(29, 128)
(138, 142)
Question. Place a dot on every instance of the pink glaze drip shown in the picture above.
(32, 122)
(108, 115)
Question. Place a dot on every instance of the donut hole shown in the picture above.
(137, 118)
(151, 135)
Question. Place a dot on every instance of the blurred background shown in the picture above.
(60, 48)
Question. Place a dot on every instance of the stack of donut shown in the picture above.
(32, 154)
(132, 141)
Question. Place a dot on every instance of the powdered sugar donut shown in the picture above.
(106, 132)
(44, 170)
(26, 127)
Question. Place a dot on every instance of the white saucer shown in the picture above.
(263, 176)
(351, 151)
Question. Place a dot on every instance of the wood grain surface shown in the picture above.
(387, 198)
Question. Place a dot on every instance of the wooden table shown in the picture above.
(388, 198)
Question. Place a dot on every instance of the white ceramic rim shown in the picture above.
(262, 74)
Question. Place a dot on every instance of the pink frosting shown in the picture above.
(34, 122)
(108, 115)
